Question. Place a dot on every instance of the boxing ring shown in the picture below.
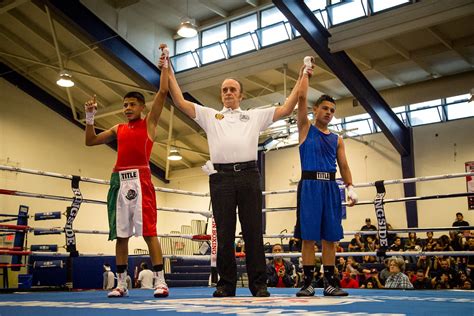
(198, 300)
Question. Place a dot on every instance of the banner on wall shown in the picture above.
(469, 165)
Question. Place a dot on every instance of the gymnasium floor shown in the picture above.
(199, 301)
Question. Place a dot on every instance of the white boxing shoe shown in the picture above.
(118, 292)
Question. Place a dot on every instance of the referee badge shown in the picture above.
(219, 116)
(244, 117)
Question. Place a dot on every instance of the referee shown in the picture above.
(232, 135)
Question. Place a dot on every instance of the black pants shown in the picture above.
(228, 191)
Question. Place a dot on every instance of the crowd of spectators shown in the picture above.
(400, 271)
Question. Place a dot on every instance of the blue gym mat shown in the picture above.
(199, 301)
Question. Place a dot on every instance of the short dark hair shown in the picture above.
(459, 213)
(135, 94)
(239, 82)
(144, 265)
(323, 98)
(281, 246)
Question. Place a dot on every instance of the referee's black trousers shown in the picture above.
(230, 190)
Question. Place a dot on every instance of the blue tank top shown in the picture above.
(318, 151)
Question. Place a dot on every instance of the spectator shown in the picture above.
(145, 277)
(412, 242)
(356, 245)
(385, 273)
(349, 280)
(462, 278)
(397, 245)
(429, 243)
(443, 244)
(424, 263)
(109, 280)
(397, 279)
(421, 282)
(372, 280)
(368, 226)
(294, 244)
(280, 272)
(467, 285)
(460, 220)
(371, 246)
(391, 237)
(470, 260)
(441, 282)
(442, 267)
(338, 246)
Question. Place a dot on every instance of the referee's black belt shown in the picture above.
(235, 167)
(318, 175)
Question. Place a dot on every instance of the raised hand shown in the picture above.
(90, 108)
(164, 58)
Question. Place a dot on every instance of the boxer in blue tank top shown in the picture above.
(319, 212)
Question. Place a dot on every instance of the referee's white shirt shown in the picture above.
(233, 134)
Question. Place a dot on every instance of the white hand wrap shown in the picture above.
(166, 51)
(90, 117)
(208, 168)
(352, 194)
(307, 63)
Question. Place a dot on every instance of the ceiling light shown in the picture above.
(187, 28)
(65, 79)
(174, 155)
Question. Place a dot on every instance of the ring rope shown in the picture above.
(160, 189)
(69, 199)
(90, 180)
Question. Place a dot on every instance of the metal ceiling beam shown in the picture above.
(316, 35)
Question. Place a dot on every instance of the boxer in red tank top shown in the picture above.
(131, 199)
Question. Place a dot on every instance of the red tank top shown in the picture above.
(134, 145)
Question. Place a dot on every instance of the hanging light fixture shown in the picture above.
(174, 154)
(187, 28)
(65, 79)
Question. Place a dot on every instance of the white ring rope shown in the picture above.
(160, 189)
(90, 180)
(64, 198)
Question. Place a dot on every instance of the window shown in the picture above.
(346, 11)
(243, 25)
(211, 53)
(460, 109)
(273, 34)
(240, 44)
(186, 44)
(315, 4)
(216, 34)
(425, 104)
(463, 97)
(425, 116)
(271, 16)
(184, 61)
